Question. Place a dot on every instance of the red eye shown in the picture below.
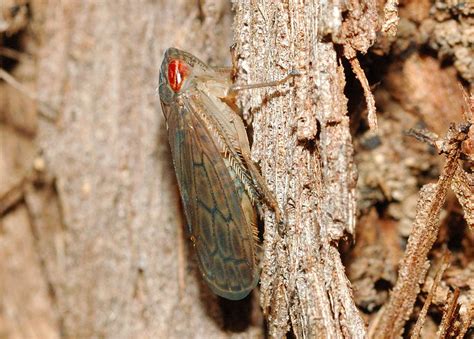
(177, 73)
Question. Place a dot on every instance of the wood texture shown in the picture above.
(116, 259)
(93, 240)
(303, 144)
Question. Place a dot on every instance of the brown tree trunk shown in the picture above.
(101, 251)
(303, 143)
(93, 240)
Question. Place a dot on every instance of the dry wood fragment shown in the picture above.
(11, 197)
(422, 316)
(463, 187)
(449, 315)
(357, 34)
(13, 54)
(466, 321)
(45, 110)
(425, 229)
(369, 97)
(391, 18)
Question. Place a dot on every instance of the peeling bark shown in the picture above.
(303, 144)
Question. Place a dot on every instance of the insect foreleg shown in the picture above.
(231, 70)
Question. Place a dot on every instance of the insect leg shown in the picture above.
(225, 70)
(262, 187)
(291, 74)
(232, 70)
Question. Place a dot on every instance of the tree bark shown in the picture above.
(106, 226)
(93, 241)
(124, 268)
(303, 144)
(106, 237)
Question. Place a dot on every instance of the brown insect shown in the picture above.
(220, 186)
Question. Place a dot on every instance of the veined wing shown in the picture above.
(219, 212)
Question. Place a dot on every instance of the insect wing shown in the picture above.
(219, 213)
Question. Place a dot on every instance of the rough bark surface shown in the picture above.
(303, 144)
(92, 236)
(103, 247)
(124, 270)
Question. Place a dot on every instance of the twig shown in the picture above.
(439, 274)
(469, 100)
(13, 54)
(425, 231)
(449, 315)
(423, 135)
(12, 197)
(45, 110)
(391, 18)
(463, 187)
(369, 97)
(467, 322)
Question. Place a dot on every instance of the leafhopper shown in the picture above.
(221, 188)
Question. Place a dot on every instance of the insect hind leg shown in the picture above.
(262, 187)
(291, 74)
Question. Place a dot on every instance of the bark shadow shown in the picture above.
(237, 314)
(230, 315)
